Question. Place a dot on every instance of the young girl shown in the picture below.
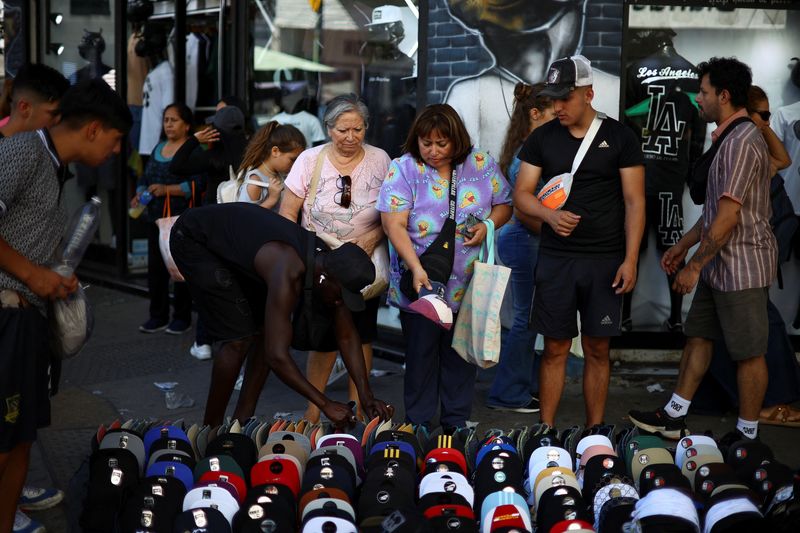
(157, 179)
(270, 155)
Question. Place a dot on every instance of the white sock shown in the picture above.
(749, 429)
(677, 406)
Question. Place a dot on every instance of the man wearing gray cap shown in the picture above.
(589, 244)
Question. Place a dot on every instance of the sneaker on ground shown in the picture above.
(39, 499)
(25, 524)
(338, 371)
(659, 422)
(531, 407)
(178, 326)
(152, 326)
(201, 351)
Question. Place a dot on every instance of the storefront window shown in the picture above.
(76, 37)
(303, 59)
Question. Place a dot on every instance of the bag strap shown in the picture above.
(488, 243)
(166, 212)
(191, 200)
(314, 183)
(587, 141)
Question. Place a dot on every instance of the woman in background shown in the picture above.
(179, 191)
(516, 383)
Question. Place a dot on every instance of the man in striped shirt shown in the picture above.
(735, 262)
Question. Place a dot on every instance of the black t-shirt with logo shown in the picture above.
(660, 108)
(596, 193)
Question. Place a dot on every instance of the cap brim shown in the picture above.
(354, 301)
(210, 120)
(556, 91)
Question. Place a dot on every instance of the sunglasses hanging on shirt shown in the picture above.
(343, 196)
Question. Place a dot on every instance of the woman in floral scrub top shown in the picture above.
(413, 202)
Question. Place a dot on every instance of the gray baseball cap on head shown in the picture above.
(566, 74)
(229, 119)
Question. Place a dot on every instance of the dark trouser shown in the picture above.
(158, 284)
(436, 376)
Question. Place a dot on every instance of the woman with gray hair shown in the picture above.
(332, 189)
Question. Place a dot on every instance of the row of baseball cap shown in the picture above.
(574, 480)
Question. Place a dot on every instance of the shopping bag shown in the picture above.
(71, 324)
(476, 337)
(164, 228)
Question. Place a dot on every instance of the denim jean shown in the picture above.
(517, 372)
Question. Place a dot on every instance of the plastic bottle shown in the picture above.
(144, 199)
(79, 233)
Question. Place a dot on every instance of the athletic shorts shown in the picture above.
(664, 213)
(232, 304)
(737, 317)
(568, 285)
(24, 381)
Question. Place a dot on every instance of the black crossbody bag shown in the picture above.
(310, 329)
(437, 259)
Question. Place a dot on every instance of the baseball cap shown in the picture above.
(548, 457)
(560, 503)
(734, 514)
(646, 457)
(284, 447)
(329, 524)
(213, 497)
(202, 520)
(279, 470)
(658, 476)
(600, 468)
(666, 509)
(683, 456)
(552, 477)
(301, 439)
(338, 451)
(161, 431)
(501, 499)
(127, 440)
(500, 470)
(747, 455)
(447, 482)
(228, 479)
(572, 526)
(386, 491)
(610, 492)
(328, 507)
(172, 469)
(432, 305)
(348, 442)
(218, 463)
(445, 459)
(615, 514)
(229, 119)
(316, 494)
(385, 15)
(565, 74)
(240, 447)
(267, 514)
(353, 269)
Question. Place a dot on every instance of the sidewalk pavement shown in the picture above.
(113, 378)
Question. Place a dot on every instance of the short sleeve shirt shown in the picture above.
(414, 186)
(596, 194)
(740, 171)
(326, 215)
(32, 216)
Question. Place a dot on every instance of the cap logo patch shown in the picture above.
(500, 477)
(691, 452)
(643, 459)
(570, 514)
(450, 486)
(707, 486)
(704, 471)
(255, 512)
(691, 465)
(659, 482)
(498, 463)
(553, 455)
(760, 474)
(569, 500)
(268, 526)
(147, 518)
(383, 497)
(442, 468)
(608, 463)
(200, 519)
(741, 453)
(558, 481)
(615, 492)
(553, 76)
(326, 473)
(272, 489)
(687, 443)
(454, 523)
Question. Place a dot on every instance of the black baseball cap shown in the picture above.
(565, 74)
(229, 119)
(353, 269)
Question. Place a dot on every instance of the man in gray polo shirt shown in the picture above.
(32, 218)
(735, 262)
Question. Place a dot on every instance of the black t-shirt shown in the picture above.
(659, 106)
(596, 193)
(236, 232)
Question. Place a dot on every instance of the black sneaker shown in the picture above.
(659, 422)
(178, 326)
(531, 407)
(731, 438)
(152, 326)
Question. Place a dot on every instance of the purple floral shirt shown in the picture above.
(415, 186)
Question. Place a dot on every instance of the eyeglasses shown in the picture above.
(343, 196)
(764, 115)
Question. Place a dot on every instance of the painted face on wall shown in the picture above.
(525, 37)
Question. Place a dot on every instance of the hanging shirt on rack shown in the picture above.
(192, 62)
(659, 106)
(158, 93)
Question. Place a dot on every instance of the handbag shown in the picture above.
(476, 337)
(380, 255)
(555, 192)
(165, 224)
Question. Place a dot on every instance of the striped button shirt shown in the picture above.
(740, 171)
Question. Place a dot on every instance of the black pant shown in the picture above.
(158, 284)
(436, 376)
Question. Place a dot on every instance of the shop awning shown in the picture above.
(270, 60)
